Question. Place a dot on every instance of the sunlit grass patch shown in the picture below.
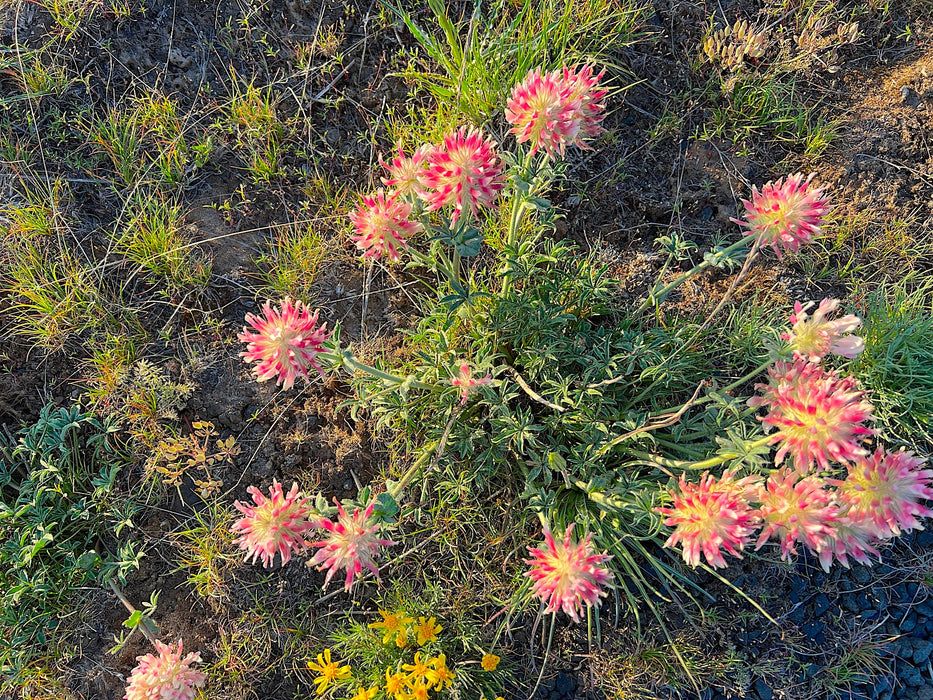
(897, 364)
(473, 61)
(153, 237)
(294, 256)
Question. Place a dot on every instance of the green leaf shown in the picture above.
(134, 619)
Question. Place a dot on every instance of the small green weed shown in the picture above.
(55, 296)
(250, 119)
(205, 553)
(60, 515)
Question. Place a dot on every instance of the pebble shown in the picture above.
(820, 605)
(910, 675)
(814, 630)
(922, 650)
(909, 623)
(861, 574)
(763, 689)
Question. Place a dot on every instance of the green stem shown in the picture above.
(399, 486)
(143, 626)
(657, 297)
(347, 359)
(720, 459)
(666, 463)
(443, 264)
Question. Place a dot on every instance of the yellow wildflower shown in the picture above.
(420, 671)
(490, 662)
(395, 683)
(401, 641)
(443, 675)
(364, 694)
(328, 671)
(427, 630)
(393, 624)
(419, 691)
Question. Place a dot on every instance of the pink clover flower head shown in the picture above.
(351, 543)
(885, 490)
(283, 342)
(405, 172)
(786, 213)
(583, 87)
(382, 225)
(166, 676)
(813, 337)
(464, 172)
(275, 525)
(467, 384)
(556, 109)
(797, 510)
(851, 538)
(819, 417)
(710, 516)
(568, 575)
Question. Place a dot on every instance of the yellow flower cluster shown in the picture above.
(398, 627)
(416, 680)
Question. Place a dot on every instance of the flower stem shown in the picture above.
(347, 359)
(400, 485)
(550, 640)
(665, 463)
(655, 298)
(143, 627)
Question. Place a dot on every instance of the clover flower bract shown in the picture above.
(568, 575)
(786, 213)
(710, 516)
(813, 337)
(556, 109)
(464, 172)
(382, 225)
(167, 676)
(285, 342)
(818, 416)
(351, 543)
(886, 489)
(274, 525)
(797, 510)
(405, 172)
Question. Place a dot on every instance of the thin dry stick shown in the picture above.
(532, 393)
(667, 419)
(367, 283)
